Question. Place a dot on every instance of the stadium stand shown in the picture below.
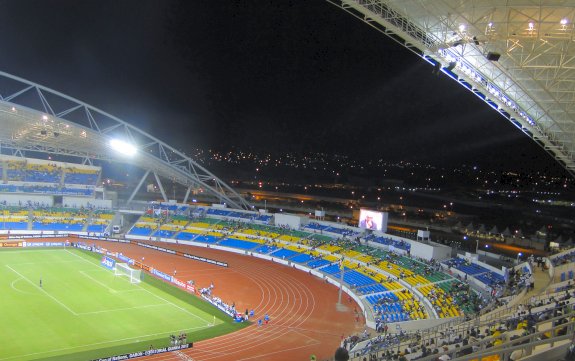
(34, 176)
(238, 243)
(59, 219)
(99, 221)
(42, 173)
(529, 328)
(370, 272)
(14, 218)
(81, 176)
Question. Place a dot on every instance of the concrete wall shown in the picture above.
(22, 199)
(556, 353)
(282, 219)
(78, 202)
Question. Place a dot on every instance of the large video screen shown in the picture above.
(376, 221)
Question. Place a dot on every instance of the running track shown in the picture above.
(302, 308)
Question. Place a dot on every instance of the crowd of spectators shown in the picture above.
(563, 259)
(525, 319)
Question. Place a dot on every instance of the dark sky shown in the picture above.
(267, 75)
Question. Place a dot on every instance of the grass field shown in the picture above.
(82, 311)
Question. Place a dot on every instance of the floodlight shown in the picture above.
(123, 147)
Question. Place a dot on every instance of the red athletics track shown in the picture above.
(302, 307)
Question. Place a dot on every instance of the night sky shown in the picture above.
(272, 76)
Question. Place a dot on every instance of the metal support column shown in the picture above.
(161, 187)
(138, 187)
(187, 194)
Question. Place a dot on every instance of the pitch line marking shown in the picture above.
(46, 262)
(44, 291)
(153, 294)
(176, 306)
(106, 342)
(82, 258)
(112, 290)
(13, 285)
(7, 251)
(122, 309)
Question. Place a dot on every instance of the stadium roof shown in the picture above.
(35, 118)
(516, 55)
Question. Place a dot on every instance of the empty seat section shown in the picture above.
(284, 253)
(238, 243)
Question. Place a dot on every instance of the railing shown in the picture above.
(526, 343)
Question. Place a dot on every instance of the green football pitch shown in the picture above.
(82, 311)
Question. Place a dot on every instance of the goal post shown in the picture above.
(123, 269)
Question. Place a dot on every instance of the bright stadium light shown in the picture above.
(123, 147)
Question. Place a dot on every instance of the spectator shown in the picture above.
(341, 354)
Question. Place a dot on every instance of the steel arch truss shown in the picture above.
(532, 84)
(38, 119)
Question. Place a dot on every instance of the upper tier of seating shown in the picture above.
(260, 217)
(389, 242)
(563, 258)
(81, 178)
(314, 226)
(464, 266)
(42, 173)
(53, 190)
(52, 173)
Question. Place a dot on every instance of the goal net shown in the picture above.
(122, 269)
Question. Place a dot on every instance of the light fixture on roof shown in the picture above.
(462, 28)
(563, 21)
(531, 26)
(123, 147)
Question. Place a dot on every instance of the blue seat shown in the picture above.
(284, 253)
(238, 243)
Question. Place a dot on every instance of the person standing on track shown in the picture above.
(40, 282)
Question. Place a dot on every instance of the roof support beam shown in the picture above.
(40, 123)
(161, 187)
(187, 194)
(138, 187)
